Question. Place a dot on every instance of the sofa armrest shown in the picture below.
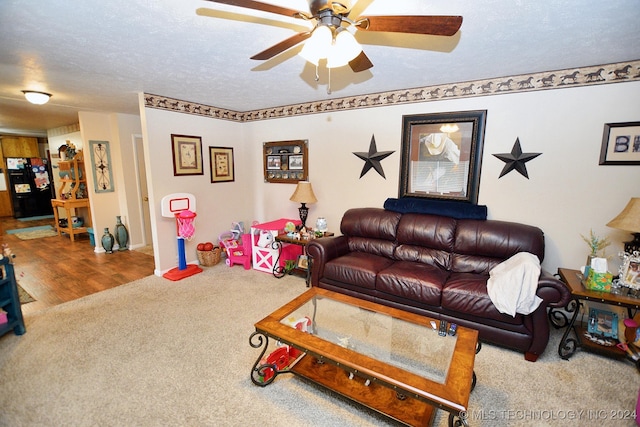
(323, 250)
(554, 293)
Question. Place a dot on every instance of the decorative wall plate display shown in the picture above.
(286, 161)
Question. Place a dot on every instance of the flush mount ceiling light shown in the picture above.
(35, 97)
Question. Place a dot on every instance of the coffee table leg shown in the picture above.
(460, 421)
(264, 371)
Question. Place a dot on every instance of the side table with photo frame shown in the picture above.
(599, 332)
(303, 263)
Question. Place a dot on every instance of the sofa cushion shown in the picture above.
(481, 245)
(370, 222)
(356, 268)
(427, 239)
(467, 293)
(413, 281)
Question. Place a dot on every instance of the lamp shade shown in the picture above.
(37, 98)
(629, 218)
(304, 193)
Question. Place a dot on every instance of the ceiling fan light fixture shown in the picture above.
(318, 45)
(35, 97)
(344, 49)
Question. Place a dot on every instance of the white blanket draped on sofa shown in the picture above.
(513, 283)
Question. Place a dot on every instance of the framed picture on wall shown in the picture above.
(620, 144)
(442, 155)
(101, 166)
(187, 155)
(222, 166)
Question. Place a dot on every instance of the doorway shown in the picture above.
(143, 192)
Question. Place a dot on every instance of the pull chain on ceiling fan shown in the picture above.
(331, 38)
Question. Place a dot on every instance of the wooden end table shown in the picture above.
(568, 345)
(283, 238)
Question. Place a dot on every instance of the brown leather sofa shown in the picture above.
(437, 266)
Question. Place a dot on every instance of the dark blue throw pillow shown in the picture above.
(453, 209)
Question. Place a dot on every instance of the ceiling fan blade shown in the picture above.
(360, 63)
(282, 46)
(431, 25)
(256, 5)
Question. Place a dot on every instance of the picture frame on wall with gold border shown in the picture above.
(222, 164)
(187, 155)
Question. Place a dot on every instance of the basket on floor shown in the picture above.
(209, 258)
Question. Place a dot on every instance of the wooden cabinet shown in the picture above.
(20, 146)
(72, 197)
(9, 299)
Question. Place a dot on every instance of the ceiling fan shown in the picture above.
(330, 37)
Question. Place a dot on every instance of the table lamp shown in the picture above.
(303, 194)
(629, 220)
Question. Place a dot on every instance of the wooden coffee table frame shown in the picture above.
(399, 394)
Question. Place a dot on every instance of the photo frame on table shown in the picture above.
(442, 155)
(630, 276)
(187, 155)
(620, 144)
(603, 323)
(303, 262)
(222, 164)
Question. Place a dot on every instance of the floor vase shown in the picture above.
(107, 241)
(121, 234)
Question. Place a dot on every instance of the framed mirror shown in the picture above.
(442, 155)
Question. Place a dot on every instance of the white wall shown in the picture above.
(567, 192)
(217, 204)
(566, 195)
(117, 130)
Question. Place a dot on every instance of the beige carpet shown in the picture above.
(158, 353)
(147, 250)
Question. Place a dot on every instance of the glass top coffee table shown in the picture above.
(390, 360)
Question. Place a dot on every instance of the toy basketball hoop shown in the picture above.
(185, 224)
(181, 207)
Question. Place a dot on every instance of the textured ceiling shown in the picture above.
(98, 55)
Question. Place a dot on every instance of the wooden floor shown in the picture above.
(55, 270)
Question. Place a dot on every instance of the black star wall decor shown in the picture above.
(373, 158)
(516, 160)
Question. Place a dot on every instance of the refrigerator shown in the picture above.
(30, 186)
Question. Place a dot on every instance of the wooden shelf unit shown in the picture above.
(9, 299)
(68, 197)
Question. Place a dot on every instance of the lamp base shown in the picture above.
(633, 245)
(304, 212)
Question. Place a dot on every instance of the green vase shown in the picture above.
(121, 234)
(107, 241)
